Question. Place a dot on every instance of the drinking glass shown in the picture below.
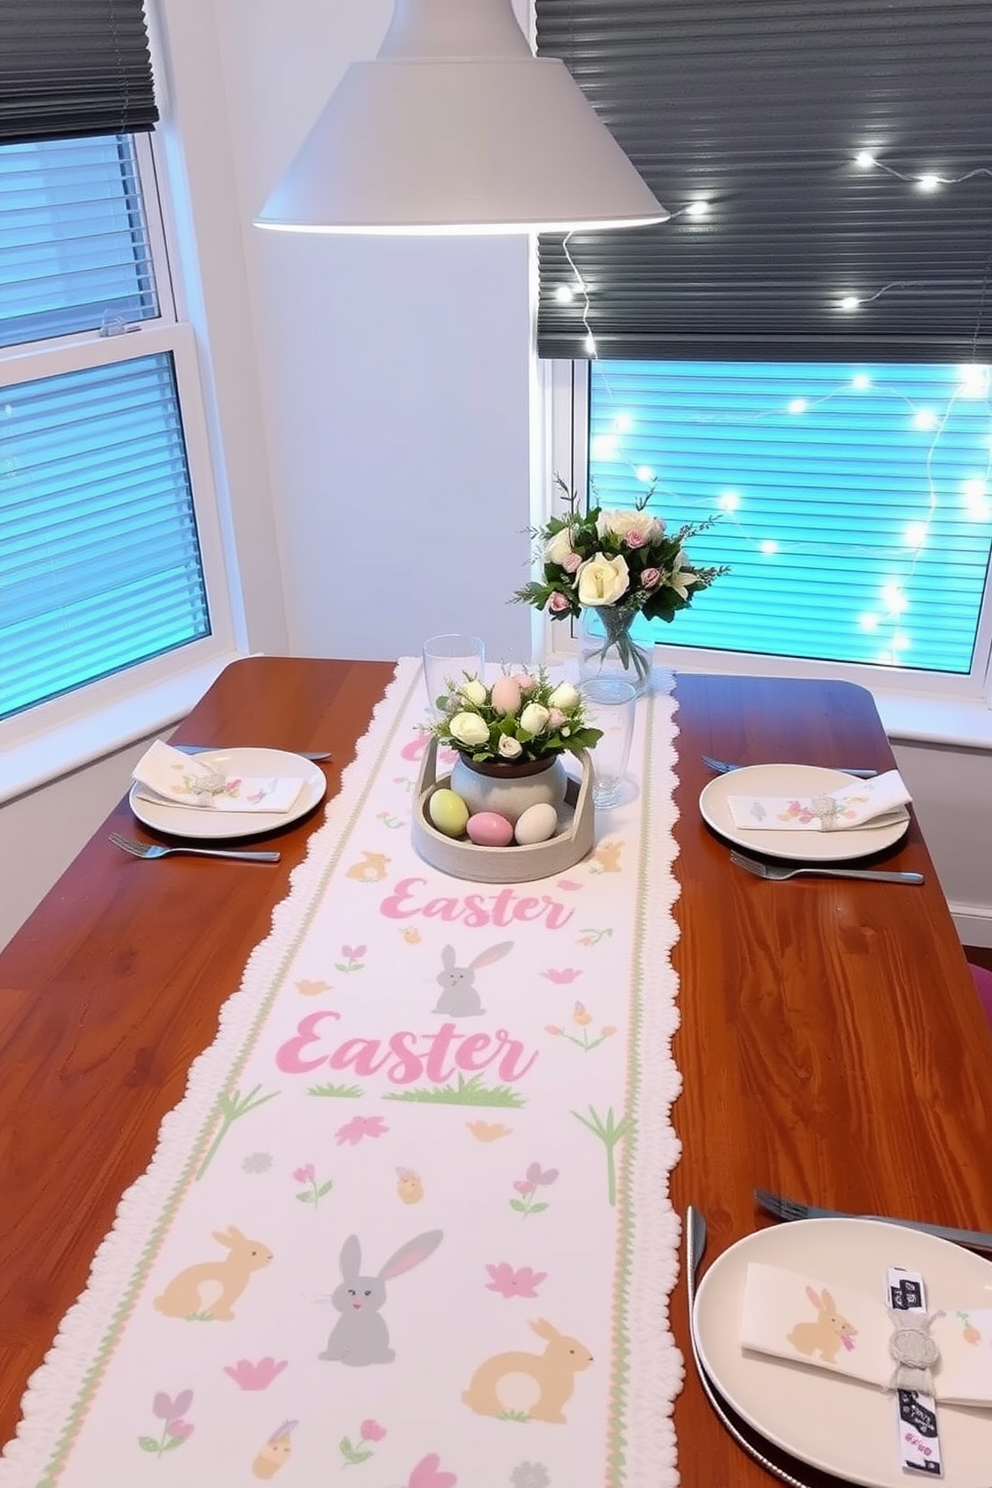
(447, 658)
(609, 705)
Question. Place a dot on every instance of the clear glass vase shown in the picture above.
(607, 649)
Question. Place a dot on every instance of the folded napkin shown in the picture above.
(864, 803)
(790, 1316)
(170, 778)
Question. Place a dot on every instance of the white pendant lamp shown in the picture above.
(457, 127)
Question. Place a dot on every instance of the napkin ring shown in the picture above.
(915, 1352)
(213, 784)
(828, 811)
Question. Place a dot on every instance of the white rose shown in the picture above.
(560, 547)
(509, 747)
(473, 692)
(534, 718)
(621, 523)
(602, 581)
(564, 696)
(468, 729)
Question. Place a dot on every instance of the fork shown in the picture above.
(721, 767)
(789, 1209)
(695, 1244)
(156, 850)
(776, 871)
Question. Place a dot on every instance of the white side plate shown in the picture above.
(800, 847)
(201, 822)
(836, 1424)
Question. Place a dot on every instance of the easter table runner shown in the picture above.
(409, 1226)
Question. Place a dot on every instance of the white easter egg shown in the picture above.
(536, 824)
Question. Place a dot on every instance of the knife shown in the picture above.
(972, 1239)
(219, 749)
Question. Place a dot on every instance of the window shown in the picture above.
(104, 562)
(854, 503)
(804, 346)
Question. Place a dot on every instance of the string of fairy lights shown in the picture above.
(972, 382)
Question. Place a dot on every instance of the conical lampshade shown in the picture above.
(457, 127)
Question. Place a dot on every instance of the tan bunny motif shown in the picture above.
(553, 1371)
(830, 1332)
(183, 1298)
(606, 858)
(371, 867)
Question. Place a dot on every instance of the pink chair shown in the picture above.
(983, 986)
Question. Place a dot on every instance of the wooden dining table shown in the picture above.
(821, 1019)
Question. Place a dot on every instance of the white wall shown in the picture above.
(371, 406)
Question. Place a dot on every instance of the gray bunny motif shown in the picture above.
(360, 1336)
(459, 998)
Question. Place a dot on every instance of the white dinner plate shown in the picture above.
(842, 1426)
(802, 847)
(199, 821)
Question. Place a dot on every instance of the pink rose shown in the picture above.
(634, 538)
(558, 603)
(572, 562)
(527, 682)
(555, 718)
(650, 578)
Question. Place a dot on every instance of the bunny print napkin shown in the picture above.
(169, 777)
(796, 1318)
(863, 803)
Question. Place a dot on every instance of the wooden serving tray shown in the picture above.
(463, 859)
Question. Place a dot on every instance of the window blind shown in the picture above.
(854, 504)
(74, 67)
(761, 107)
(99, 558)
(74, 248)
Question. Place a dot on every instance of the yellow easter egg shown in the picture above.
(448, 812)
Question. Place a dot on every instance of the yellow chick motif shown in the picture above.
(411, 936)
(276, 1452)
(409, 1186)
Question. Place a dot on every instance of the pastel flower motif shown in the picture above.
(368, 1432)
(257, 1376)
(307, 987)
(552, 1028)
(359, 1127)
(304, 1174)
(428, 1474)
(168, 1409)
(580, 1015)
(543, 1177)
(537, 1177)
(176, 1429)
(562, 975)
(510, 1283)
(354, 952)
(530, 1475)
(257, 1162)
(488, 1131)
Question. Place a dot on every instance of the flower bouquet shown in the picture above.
(618, 564)
(522, 717)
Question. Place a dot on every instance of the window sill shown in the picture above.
(928, 720)
(106, 729)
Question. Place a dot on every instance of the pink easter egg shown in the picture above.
(506, 694)
(488, 829)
